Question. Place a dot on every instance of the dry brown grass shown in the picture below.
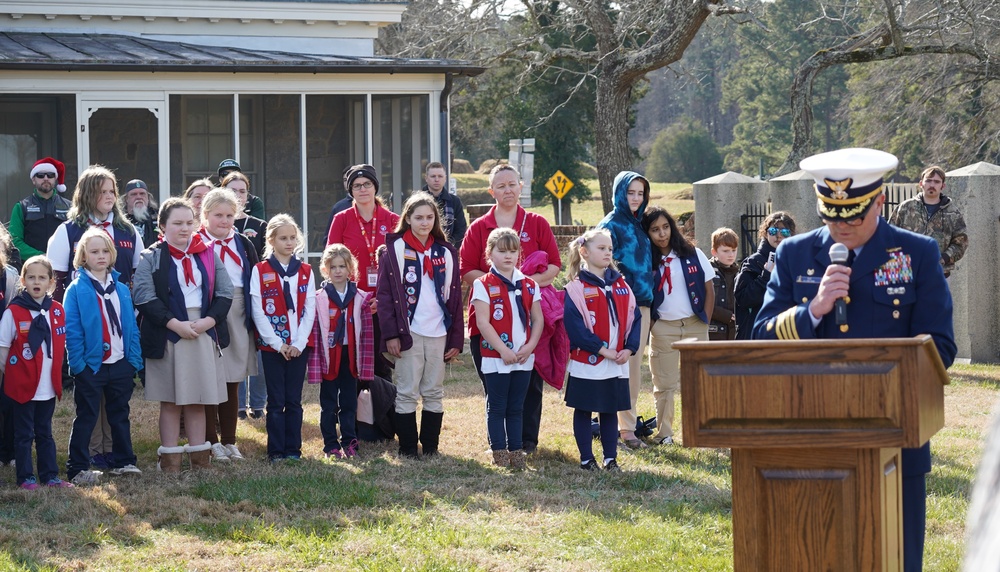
(669, 509)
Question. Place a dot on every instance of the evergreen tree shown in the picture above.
(683, 153)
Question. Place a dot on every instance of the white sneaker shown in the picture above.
(220, 453)
(126, 470)
(234, 452)
(87, 478)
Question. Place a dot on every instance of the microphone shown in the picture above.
(838, 255)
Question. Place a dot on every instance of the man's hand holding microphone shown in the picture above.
(834, 286)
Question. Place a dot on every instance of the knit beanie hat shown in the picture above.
(366, 171)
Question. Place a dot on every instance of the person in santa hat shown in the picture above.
(35, 218)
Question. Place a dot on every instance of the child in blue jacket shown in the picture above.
(102, 348)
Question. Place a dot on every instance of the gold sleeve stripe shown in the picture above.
(786, 329)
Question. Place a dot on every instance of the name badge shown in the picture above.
(808, 279)
(372, 277)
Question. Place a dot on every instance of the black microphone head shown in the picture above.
(838, 253)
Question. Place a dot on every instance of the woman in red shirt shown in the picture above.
(362, 229)
(535, 233)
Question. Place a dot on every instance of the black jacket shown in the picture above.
(751, 284)
(452, 216)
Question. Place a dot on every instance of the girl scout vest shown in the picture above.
(24, 367)
(598, 311)
(273, 298)
(124, 244)
(412, 282)
(694, 279)
(502, 317)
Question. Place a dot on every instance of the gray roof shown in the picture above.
(106, 52)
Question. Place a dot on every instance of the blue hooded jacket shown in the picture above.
(633, 251)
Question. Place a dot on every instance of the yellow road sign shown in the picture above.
(559, 184)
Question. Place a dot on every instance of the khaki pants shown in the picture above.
(664, 364)
(420, 374)
(627, 419)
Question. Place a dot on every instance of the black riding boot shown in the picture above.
(406, 429)
(430, 431)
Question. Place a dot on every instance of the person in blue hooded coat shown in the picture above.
(633, 255)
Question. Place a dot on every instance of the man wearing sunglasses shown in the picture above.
(892, 284)
(933, 214)
(35, 218)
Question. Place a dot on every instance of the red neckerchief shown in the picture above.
(369, 242)
(104, 226)
(196, 247)
(665, 261)
(225, 249)
(411, 240)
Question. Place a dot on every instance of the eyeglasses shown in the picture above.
(853, 222)
(785, 232)
(45, 175)
(365, 185)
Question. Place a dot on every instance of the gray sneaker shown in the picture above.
(126, 470)
(87, 478)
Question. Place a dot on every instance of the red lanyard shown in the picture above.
(364, 234)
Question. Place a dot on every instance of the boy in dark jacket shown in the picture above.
(724, 245)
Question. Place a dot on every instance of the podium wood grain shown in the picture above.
(816, 428)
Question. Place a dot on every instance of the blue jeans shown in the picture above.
(115, 382)
(505, 408)
(340, 394)
(284, 403)
(33, 423)
(258, 388)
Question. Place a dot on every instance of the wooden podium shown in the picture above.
(816, 428)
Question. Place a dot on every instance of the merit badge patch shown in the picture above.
(498, 314)
(411, 277)
(269, 306)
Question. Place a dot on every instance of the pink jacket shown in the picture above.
(552, 352)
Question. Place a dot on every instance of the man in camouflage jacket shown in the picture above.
(933, 214)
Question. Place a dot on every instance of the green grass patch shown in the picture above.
(298, 488)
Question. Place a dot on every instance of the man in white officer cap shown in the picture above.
(893, 285)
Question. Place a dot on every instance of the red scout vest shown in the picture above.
(338, 345)
(23, 368)
(500, 306)
(273, 299)
(600, 316)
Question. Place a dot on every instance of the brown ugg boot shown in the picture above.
(518, 460)
(500, 458)
(170, 459)
(200, 455)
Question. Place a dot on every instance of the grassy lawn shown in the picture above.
(668, 510)
(675, 197)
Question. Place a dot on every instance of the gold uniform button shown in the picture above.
(895, 301)
(847, 299)
(844, 328)
(805, 299)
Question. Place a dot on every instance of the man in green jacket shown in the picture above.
(933, 214)
(34, 218)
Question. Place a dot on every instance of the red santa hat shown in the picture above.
(49, 165)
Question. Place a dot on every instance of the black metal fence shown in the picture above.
(750, 221)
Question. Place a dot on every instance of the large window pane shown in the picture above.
(335, 139)
(400, 143)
